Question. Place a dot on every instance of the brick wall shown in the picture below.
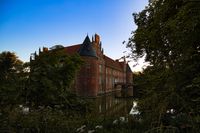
(87, 78)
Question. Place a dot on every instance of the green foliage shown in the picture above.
(55, 120)
(51, 76)
(44, 86)
(44, 119)
(11, 78)
(168, 36)
(168, 31)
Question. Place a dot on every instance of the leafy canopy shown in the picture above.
(168, 35)
(51, 76)
(11, 69)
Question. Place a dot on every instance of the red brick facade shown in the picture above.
(99, 73)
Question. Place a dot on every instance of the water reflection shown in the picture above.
(134, 110)
(110, 105)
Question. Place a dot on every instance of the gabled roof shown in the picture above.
(113, 64)
(86, 48)
(72, 49)
(108, 61)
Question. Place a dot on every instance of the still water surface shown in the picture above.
(112, 105)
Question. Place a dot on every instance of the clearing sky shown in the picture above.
(26, 25)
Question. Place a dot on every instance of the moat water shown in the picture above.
(112, 105)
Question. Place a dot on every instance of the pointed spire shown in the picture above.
(86, 48)
(39, 51)
(100, 44)
(35, 55)
(87, 40)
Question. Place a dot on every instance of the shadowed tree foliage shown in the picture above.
(168, 35)
(11, 81)
(38, 94)
(51, 76)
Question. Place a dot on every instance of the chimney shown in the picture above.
(45, 49)
(97, 38)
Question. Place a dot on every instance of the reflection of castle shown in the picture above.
(99, 72)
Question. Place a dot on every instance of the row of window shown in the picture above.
(112, 76)
(110, 71)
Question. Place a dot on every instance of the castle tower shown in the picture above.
(86, 48)
(87, 77)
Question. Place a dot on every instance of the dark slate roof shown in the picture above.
(128, 69)
(86, 48)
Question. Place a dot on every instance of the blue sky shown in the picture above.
(26, 25)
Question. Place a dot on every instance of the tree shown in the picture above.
(168, 35)
(11, 82)
(51, 75)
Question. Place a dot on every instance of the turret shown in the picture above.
(86, 48)
(88, 77)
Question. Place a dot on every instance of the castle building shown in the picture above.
(99, 73)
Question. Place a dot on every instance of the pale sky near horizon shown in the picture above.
(26, 25)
